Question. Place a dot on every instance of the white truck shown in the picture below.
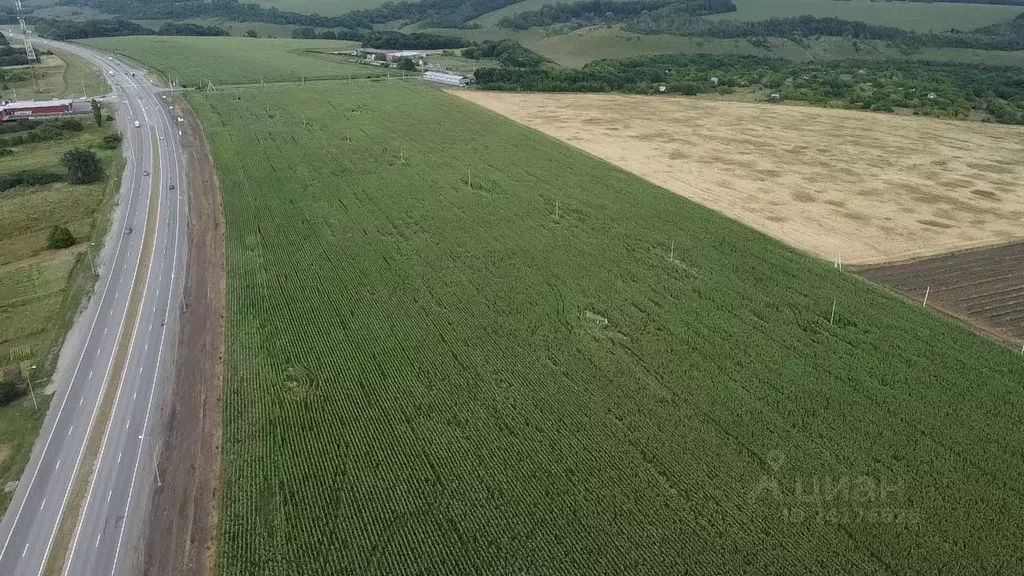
(137, 124)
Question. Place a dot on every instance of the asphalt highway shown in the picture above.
(106, 533)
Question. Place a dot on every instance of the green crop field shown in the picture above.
(457, 346)
(234, 60)
(917, 16)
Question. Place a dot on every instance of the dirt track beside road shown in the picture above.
(182, 524)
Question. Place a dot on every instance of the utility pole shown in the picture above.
(28, 378)
(926, 293)
(833, 318)
(91, 261)
(83, 89)
(156, 468)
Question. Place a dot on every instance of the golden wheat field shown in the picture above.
(876, 187)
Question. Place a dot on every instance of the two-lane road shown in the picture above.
(102, 537)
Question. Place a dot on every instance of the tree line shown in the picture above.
(684, 18)
(667, 21)
(926, 88)
(97, 28)
(589, 12)
(9, 55)
(393, 40)
(434, 13)
(507, 52)
(996, 2)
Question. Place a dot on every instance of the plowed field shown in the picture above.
(984, 288)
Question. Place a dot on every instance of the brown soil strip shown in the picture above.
(983, 289)
(182, 523)
(83, 480)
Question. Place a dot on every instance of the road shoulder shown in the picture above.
(182, 522)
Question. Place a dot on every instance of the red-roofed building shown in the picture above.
(30, 109)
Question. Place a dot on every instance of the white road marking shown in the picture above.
(134, 394)
(43, 504)
(97, 540)
(119, 455)
(72, 428)
(126, 427)
(105, 330)
(57, 467)
(109, 494)
(90, 374)
(25, 550)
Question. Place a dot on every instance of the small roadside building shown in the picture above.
(446, 78)
(31, 109)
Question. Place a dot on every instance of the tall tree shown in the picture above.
(97, 114)
(59, 238)
(83, 166)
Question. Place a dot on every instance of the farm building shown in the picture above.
(30, 109)
(388, 55)
(445, 78)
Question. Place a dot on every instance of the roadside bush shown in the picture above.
(59, 238)
(70, 125)
(11, 387)
(28, 178)
(5, 152)
(111, 141)
(406, 64)
(82, 165)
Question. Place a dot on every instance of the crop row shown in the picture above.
(436, 377)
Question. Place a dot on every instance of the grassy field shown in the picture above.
(233, 60)
(917, 16)
(578, 47)
(491, 18)
(457, 346)
(40, 290)
(61, 75)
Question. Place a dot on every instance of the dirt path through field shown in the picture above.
(183, 519)
(877, 187)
